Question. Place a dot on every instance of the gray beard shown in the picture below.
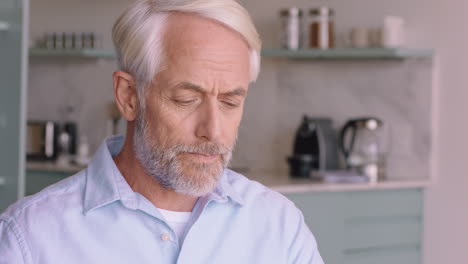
(163, 164)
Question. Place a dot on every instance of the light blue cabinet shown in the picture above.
(13, 66)
(364, 227)
(37, 180)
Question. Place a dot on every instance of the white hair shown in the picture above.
(138, 34)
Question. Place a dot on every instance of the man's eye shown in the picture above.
(184, 102)
(231, 104)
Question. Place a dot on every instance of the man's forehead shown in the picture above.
(200, 53)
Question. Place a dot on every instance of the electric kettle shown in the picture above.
(363, 143)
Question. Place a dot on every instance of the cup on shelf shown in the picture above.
(393, 32)
(359, 37)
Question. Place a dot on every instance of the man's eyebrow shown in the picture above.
(236, 92)
(196, 88)
(190, 86)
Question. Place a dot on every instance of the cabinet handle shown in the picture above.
(4, 26)
(2, 181)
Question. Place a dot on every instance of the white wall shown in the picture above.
(446, 211)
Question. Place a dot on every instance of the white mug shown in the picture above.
(393, 32)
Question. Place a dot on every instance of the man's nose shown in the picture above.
(209, 125)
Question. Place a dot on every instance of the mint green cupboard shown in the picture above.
(13, 75)
(367, 226)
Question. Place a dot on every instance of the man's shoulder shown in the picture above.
(256, 194)
(266, 209)
(64, 193)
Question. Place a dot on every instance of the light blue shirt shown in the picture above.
(95, 217)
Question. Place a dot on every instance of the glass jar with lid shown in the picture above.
(291, 32)
(322, 31)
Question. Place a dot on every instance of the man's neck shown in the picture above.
(146, 185)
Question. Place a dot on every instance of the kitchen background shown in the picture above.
(284, 92)
(422, 99)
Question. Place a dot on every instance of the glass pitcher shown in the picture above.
(364, 143)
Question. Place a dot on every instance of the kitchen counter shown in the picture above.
(284, 184)
(53, 167)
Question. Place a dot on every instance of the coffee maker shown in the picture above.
(315, 147)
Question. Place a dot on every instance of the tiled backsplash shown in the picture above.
(399, 92)
(84, 84)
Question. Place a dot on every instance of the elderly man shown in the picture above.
(163, 194)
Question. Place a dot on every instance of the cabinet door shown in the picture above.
(365, 227)
(323, 213)
(13, 66)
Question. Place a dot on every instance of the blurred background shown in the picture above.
(357, 115)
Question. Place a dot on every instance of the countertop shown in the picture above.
(280, 182)
(53, 167)
(285, 184)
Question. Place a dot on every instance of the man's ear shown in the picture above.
(125, 95)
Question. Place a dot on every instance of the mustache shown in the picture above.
(202, 148)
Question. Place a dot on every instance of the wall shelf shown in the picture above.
(79, 53)
(348, 53)
(331, 54)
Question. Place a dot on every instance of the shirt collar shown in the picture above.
(105, 184)
(225, 189)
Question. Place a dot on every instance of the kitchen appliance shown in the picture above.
(315, 147)
(82, 156)
(72, 130)
(42, 140)
(362, 141)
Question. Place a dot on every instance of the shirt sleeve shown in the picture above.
(303, 249)
(11, 251)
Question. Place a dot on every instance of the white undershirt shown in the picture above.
(177, 221)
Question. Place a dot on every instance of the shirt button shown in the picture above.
(165, 237)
